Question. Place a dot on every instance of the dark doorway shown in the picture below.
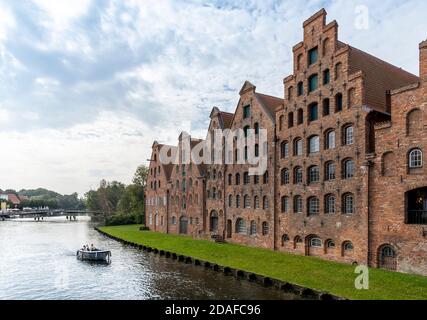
(229, 228)
(183, 225)
(387, 258)
(214, 221)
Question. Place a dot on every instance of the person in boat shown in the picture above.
(84, 248)
(92, 247)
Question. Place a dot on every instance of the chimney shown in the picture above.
(423, 61)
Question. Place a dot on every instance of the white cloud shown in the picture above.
(7, 22)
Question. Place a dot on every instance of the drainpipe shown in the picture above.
(274, 190)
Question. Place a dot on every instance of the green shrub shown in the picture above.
(124, 219)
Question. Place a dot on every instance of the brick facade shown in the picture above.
(337, 184)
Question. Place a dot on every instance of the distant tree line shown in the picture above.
(116, 203)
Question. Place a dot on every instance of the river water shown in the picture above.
(38, 261)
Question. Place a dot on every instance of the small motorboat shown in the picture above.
(96, 255)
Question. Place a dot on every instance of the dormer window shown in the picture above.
(312, 56)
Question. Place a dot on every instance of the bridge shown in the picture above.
(41, 214)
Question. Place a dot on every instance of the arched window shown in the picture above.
(256, 202)
(285, 239)
(238, 201)
(300, 88)
(313, 82)
(348, 169)
(313, 174)
(253, 230)
(297, 241)
(326, 107)
(246, 202)
(173, 220)
(338, 102)
(315, 243)
(191, 199)
(290, 93)
(313, 112)
(326, 76)
(330, 204)
(237, 179)
(265, 203)
(330, 138)
(415, 159)
(347, 248)
(214, 193)
(230, 201)
(290, 119)
(414, 125)
(246, 178)
(313, 144)
(298, 204)
(313, 206)
(388, 164)
(265, 228)
(214, 174)
(284, 150)
(298, 147)
(230, 179)
(338, 70)
(240, 226)
(348, 203)
(285, 204)
(348, 135)
(265, 178)
(284, 176)
(297, 175)
(300, 116)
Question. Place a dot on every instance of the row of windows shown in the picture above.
(313, 142)
(247, 202)
(247, 178)
(155, 171)
(313, 204)
(313, 173)
(315, 242)
(313, 110)
(242, 229)
(191, 200)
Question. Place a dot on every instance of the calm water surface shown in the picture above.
(38, 261)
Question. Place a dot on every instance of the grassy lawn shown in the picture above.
(335, 278)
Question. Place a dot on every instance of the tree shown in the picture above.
(140, 176)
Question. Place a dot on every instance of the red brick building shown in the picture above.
(345, 179)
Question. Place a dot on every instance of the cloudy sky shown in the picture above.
(87, 85)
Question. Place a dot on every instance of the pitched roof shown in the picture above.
(270, 103)
(13, 198)
(379, 76)
(227, 119)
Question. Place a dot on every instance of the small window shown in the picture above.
(312, 56)
(330, 204)
(348, 135)
(326, 77)
(298, 204)
(338, 70)
(285, 204)
(300, 88)
(313, 110)
(256, 150)
(237, 179)
(246, 178)
(265, 178)
(246, 112)
(313, 206)
(415, 159)
(284, 150)
(256, 128)
(281, 121)
(240, 226)
(265, 203)
(290, 93)
(298, 147)
(238, 201)
(230, 201)
(348, 203)
(348, 169)
(298, 175)
(326, 108)
(300, 116)
(313, 174)
(313, 83)
(246, 130)
(290, 120)
(330, 171)
(338, 102)
(256, 179)
(256, 202)
(285, 238)
(330, 140)
(246, 202)
(285, 176)
(230, 179)
(315, 243)
(265, 228)
(348, 246)
(252, 230)
(313, 144)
